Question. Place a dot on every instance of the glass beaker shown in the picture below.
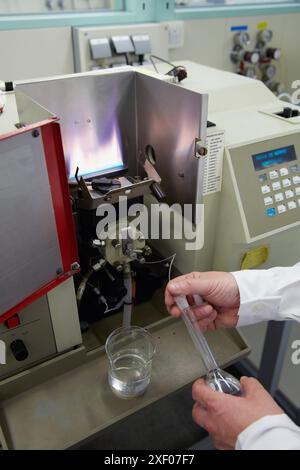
(130, 351)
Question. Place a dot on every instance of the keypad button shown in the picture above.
(284, 171)
(279, 197)
(276, 186)
(274, 175)
(286, 183)
(292, 205)
(296, 180)
(271, 212)
(281, 209)
(297, 191)
(265, 189)
(263, 178)
(289, 194)
(268, 201)
(294, 169)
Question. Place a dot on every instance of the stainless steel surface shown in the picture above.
(97, 115)
(109, 118)
(29, 111)
(20, 111)
(92, 199)
(30, 253)
(169, 120)
(76, 405)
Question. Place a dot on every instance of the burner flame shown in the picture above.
(94, 151)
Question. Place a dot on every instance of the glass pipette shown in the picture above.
(216, 378)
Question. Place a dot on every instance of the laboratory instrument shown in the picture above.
(105, 157)
(39, 256)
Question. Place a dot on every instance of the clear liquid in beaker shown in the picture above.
(129, 375)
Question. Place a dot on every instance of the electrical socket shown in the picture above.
(176, 34)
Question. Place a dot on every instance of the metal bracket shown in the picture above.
(91, 198)
(200, 149)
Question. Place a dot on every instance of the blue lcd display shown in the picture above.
(274, 157)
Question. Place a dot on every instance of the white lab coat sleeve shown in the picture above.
(272, 294)
(276, 432)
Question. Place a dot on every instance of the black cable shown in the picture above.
(152, 56)
(153, 63)
(178, 67)
(128, 62)
(182, 70)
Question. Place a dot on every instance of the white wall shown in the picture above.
(44, 52)
(35, 53)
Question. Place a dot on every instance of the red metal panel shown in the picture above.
(36, 295)
(59, 186)
(55, 162)
(23, 130)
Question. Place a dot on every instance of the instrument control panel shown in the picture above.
(267, 175)
(279, 177)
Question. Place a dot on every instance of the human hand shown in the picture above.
(226, 416)
(220, 292)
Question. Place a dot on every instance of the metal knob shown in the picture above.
(19, 350)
